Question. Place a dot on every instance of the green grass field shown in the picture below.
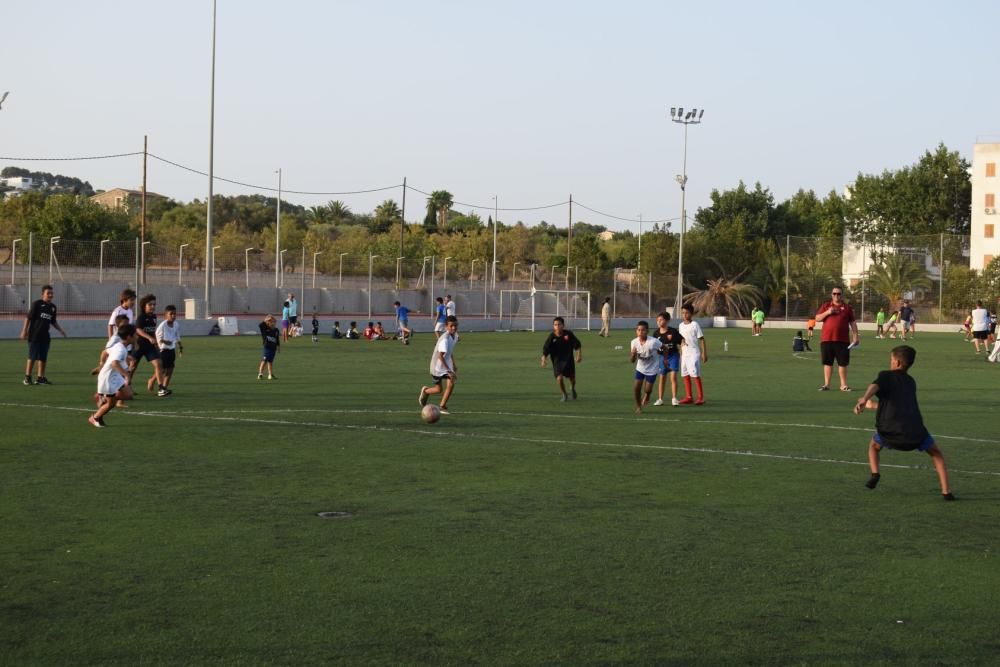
(518, 530)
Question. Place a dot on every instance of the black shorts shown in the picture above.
(981, 335)
(149, 353)
(829, 351)
(564, 368)
(168, 358)
(38, 350)
(438, 379)
(293, 319)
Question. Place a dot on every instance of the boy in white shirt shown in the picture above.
(645, 354)
(112, 339)
(168, 339)
(126, 308)
(443, 366)
(112, 383)
(693, 354)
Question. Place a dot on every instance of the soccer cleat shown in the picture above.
(873, 480)
(95, 422)
(422, 398)
(687, 400)
(42, 380)
(27, 381)
(949, 496)
(659, 401)
(164, 392)
(825, 387)
(845, 388)
(100, 420)
(443, 410)
(674, 402)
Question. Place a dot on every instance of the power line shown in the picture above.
(615, 217)
(68, 159)
(491, 207)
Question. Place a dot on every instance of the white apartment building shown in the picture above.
(18, 182)
(985, 239)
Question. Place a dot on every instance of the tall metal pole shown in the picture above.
(496, 222)
(100, 270)
(180, 265)
(246, 255)
(277, 238)
(31, 261)
(941, 282)
(638, 262)
(13, 260)
(315, 254)
(142, 222)
(302, 275)
(569, 231)
(209, 260)
(693, 117)
(788, 259)
(402, 220)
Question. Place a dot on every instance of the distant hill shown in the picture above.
(55, 182)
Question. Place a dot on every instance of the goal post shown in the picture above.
(524, 309)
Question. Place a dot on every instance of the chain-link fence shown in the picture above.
(931, 271)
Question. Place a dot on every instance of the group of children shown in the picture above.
(131, 338)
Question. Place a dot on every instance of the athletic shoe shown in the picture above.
(94, 422)
(260, 376)
(443, 410)
(164, 392)
(825, 387)
(873, 480)
(27, 381)
(700, 401)
(687, 400)
(42, 380)
(422, 398)
(845, 388)
(659, 401)
(574, 394)
(563, 398)
(100, 420)
(949, 496)
(272, 377)
(674, 401)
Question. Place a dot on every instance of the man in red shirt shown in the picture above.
(839, 330)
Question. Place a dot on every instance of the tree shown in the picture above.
(896, 275)
(386, 215)
(774, 284)
(440, 203)
(723, 296)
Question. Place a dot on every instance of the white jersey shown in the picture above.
(691, 332)
(111, 341)
(109, 381)
(449, 308)
(168, 336)
(647, 355)
(121, 310)
(445, 344)
(980, 319)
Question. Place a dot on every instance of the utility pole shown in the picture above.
(277, 237)
(402, 219)
(211, 177)
(142, 223)
(569, 234)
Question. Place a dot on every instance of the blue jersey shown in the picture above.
(441, 313)
(402, 313)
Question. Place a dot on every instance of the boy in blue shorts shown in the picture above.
(670, 361)
(898, 423)
(271, 339)
(403, 318)
(645, 354)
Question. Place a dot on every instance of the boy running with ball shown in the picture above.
(693, 354)
(444, 370)
(561, 344)
(645, 354)
(898, 423)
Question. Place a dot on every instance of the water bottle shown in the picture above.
(725, 346)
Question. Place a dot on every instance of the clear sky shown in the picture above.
(528, 100)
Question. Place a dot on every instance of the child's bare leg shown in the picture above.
(167, 373)
(647, 391)
(942, 470)
(661, 385)
(27, 367)
(562, 387)
(673, 384)
(637, 393)
(448, 388)
(873, 449)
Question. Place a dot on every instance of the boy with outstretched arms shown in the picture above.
(644, 352)
(560, 345)
(670, 361)
(898, 422)
(443, 368)
(693, 355)
(113, 381)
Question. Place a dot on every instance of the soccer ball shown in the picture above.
(430, 414)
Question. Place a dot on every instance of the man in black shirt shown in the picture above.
(560, 345)
(36, 331)
(898, 422)
(906, 317)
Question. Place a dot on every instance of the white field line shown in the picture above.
(452, 435)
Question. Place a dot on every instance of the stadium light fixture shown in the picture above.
(53, 240)
(180, 264)
(690, 119)
(340, 280)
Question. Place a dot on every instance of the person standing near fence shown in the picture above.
(906, 317)
(36, 331)
(293, 311)
(606, 318)
(838, 327)
(449, 306)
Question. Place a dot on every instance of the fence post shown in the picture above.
(941, 283)
(788, 261)
(31, 263)
(649, 296)
(137, 262)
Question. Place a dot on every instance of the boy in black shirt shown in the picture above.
(36, 331)
(898, 423)
(670, 362)
(146, 346)
(561, 344)
(271, 338)
(315, 324)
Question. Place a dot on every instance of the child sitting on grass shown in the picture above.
(800, 344)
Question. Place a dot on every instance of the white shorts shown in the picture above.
(109, 383)
(690, 365)
(439, 327)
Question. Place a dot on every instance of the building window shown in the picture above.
(990, 200)
(988, 231)
(986, 260)
(991, 169)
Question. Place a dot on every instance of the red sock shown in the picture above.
(687, 386)
(701, 391)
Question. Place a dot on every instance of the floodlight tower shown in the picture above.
(692, 117)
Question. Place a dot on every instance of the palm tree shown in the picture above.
(338, 211)
(811, 280)
(723, 296)
(317, 215)
(386, 215)
(895, 275)
(774, 284)
(440, 202)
